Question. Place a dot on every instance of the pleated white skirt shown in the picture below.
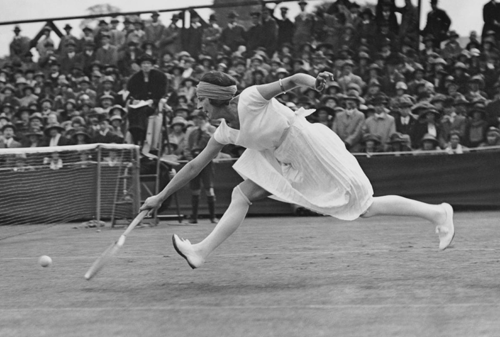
(311, 168)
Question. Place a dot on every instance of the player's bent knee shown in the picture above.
(239, 196)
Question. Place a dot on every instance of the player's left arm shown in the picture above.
(269, 90)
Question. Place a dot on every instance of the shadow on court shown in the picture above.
(293, 276)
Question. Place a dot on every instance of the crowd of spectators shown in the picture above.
(388, 94)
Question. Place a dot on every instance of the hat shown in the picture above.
(460, 65)
(461, 100)
(181, 107)
(438, 98)
(380, 99)
(146, 57)
(155, 13)
(4, 116)
(347, 62)
(108, 79)
(106, 96)
(397, 138)
(68, 27)
(452, 34)
(327, 109)
(86, 135)
(52, 126)
(430, 109)
(477, 109)
(116, 117)
(401, 85)
(119, 107)
(493, 131)
(352, 97)
(8, 125)
(37, 115)
(371, 137)
(17, 29)
(178, 120)
(405, 102)
(429, 137)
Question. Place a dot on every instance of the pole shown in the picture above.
(93, 16)
(98, 182)
(419, 11)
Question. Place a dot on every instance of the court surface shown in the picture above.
(277, 276)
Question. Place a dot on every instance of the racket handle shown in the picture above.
(134, 223)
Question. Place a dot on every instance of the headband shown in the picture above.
(208, 90)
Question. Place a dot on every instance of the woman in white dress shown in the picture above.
(287, 158)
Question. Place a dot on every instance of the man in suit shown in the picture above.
(155, 30)
(405, 120)
(107, 54)
(491, 17)
(348, 77)
(68, 58)
(285, 28)
(438, 24)
(147, 85)
(348, 124)
(380, 124)
(8, 141)
(233, 35)
(19, 46)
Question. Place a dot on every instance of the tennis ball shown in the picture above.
(45, 261)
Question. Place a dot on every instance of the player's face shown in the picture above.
(205, 106)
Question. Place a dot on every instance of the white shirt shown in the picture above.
(55, 140)
(405, 120)
(431, 129)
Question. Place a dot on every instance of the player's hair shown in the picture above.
(221, 79)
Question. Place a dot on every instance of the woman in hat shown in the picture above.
(475, 132)
(429, 144)
(371, 144)
(454, 146)
(53, 132)
(492, 137)
(428, 123)
(288, 158)
(324, 115)
(178, 134)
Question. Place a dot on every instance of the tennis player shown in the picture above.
(287, 158)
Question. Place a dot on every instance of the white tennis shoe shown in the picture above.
(185, 249)
(446, 230)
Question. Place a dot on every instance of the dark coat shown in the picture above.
(438, 24)
(154, 89)
(491, 13)
(233, 37)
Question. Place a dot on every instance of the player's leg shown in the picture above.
(207, 178)
(241, 199)
(195, 187)
(439, 215)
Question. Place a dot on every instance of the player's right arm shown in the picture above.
(185, 175)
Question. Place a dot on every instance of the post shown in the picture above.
(98, 183)
(419, 11)
(137, 180)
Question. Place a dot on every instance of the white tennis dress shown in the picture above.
(296, 161)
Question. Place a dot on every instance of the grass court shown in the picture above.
(276, 276)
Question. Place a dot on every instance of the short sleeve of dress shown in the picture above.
(251, 101)
(222, 134)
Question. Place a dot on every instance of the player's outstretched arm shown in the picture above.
(185, 175)
(269, 90)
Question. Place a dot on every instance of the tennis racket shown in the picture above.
(115, 246)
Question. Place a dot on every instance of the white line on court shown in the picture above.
(261, 253)
(259, 307)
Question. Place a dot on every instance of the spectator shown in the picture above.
(53, 132)
(491, 17)
(409, 24)
(285, 28)
(154, 31)
(348, 124)
(399, 143)
(438, 23)
(492, 137)
(405, 121)
(304, 27)
(380, 124)
(19, 46)
(116, 37)
(107, 53)
(211, 36)
(324, 115)
(148, 85)
(348, 77)
(65, 39)
(476, 128)
(171, 41)
(427, 143)
(197, 141)
(454, 146)
(8, 140)
(270, 28)
(233, 35)
(371, 144)
(427, 125)
(192, 37)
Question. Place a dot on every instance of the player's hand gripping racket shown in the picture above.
(115, 246)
